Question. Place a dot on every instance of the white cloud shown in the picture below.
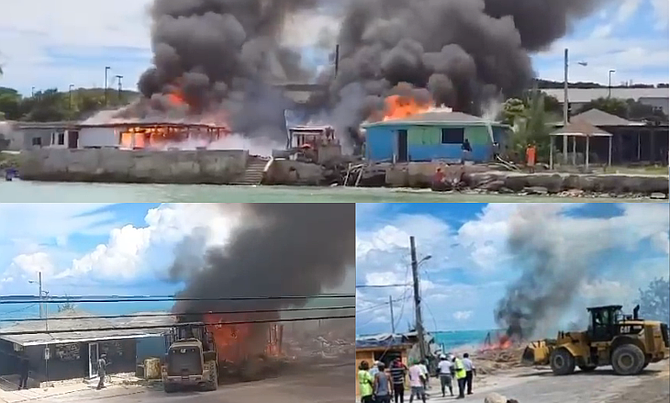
(462, 315)
(661, 12)
(627, 10)
(31, 265)
(124, 256)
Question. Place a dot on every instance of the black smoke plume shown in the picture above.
(280, 250)
(464, 52)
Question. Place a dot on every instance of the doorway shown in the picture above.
(402, 145)
(73, 139)
(93, 355)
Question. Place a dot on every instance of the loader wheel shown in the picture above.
(213, 382)
(169, 388)
(562, 362)
(587, 368)
(628, 359)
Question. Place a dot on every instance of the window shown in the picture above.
(455, 135)
(37, 141)
(61, 139)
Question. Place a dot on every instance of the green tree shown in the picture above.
(66, 306)
(613, 106)
(533, 128)
(513, 109)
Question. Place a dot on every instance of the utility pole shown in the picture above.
(417, 299)
(566, 103)
(107, 68)
(337, 59)
(39, 281)
(392, 318)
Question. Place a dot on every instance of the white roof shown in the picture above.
(585, 95)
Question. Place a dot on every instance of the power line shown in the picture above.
(167, 315)
(13, 300)
(17, 310)
(164, 326)
(383, 286)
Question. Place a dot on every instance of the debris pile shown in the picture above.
(496, 398)
(490, 361)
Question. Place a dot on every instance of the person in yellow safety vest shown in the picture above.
(459, 369)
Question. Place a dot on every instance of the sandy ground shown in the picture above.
(601, 386)
(326, 383)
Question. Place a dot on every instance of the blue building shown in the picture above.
(433, 136)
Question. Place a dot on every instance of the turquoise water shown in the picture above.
(27, 192)
(460, 338)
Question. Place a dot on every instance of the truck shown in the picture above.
(193, 359)
(626, 342)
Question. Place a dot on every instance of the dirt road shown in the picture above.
(332, 383)
(601, 386)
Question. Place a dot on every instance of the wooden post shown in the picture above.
(609, 155)
(588, 141)
(551, 152)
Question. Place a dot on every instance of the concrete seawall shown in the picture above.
(481, 177)
(126, 166)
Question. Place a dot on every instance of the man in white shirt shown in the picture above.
(416, 382)
(470, 371)
(426, 374)
(444, 368)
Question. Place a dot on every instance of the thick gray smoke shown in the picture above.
(223, 55)
(556, 257)
(281, 250)
(464, 52)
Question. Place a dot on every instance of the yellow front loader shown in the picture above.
(625, 342)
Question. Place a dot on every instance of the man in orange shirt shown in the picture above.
(530, 157)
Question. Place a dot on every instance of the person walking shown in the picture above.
(398, 373)
(365, 382)
(470, 372)
(444, 370)
(459, 370)
(383, 385)
(426, 375)
(24, 368)
(102, 370)
(416, 382)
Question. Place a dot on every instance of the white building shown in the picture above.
(578, 97)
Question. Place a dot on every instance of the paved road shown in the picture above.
(601, 386)
(324, 384)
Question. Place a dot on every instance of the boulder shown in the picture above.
(494, 186)
(536, 190)
(659, 196)
(495, 398)
(516, 182)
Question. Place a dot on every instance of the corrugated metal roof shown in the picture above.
(80, 323)
(434, 118)
(584, 95)
(599, 118)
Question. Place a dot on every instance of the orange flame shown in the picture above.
(401, 107)
(234, 343)
(502, 343)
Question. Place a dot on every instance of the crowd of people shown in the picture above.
(380, 384)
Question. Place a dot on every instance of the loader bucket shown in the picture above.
(537, 353)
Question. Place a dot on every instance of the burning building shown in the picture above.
(134, 136)
(432, 134)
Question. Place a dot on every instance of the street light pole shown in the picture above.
(609, 83)
(107, 68)
(392, 318)
(71, 104)
(39, 283)
(119, 78)
(566, 102)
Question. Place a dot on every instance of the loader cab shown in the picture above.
(604, 322)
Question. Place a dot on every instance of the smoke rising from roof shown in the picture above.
(280, 250)
(224, 54)
(464, 52)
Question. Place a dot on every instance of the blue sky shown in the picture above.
(99, 249)
(623, 247)
(45, 43)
